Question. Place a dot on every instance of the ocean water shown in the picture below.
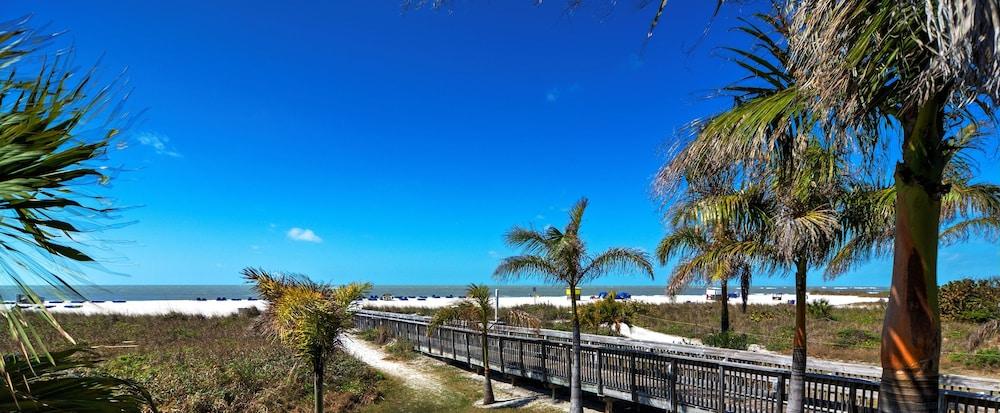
(191, 292)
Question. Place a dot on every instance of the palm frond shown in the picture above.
(526, 266)
(68, 384)
(621, 260)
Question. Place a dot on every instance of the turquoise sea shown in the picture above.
(191, 292)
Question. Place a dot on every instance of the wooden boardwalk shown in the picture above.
(675, 378)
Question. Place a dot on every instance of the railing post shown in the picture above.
(943, 402)
(600, 373)
(545, 367)
(722, 389)
(468, 349)
(852, 398)
(632, 379)
(672, 385)
(500, 353)
(520, 356)
(780, 396)
(454, 351)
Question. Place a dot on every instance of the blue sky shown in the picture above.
(347, 140)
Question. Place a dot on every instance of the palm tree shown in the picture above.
(796, 182)
(707, 226)
(306, 316)
(921, 66)
(609, 312)
(476, 311)
(968, 209)
(561, 256)
(48, 164)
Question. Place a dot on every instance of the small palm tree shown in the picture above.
(306, 316)
(609, 312)
(476, 312)
(561, 256)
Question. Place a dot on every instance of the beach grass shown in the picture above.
(220, 364)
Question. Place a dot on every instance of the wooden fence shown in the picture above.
(623, 370)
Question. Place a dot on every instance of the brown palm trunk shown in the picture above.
(724, 316)
(575, 390)
(911, 333)
(487, 382)
(797, 383)
(318, 384)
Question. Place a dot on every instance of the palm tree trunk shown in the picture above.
(575, 392)
(911, 333)
(318, 384)
(724, 317)
(797, 383)
(487, 383)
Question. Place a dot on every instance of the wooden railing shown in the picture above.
(633, 371)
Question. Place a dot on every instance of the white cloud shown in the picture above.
(304, 235)
(552, 95)
(159, 143)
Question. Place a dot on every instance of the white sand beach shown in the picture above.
(157, 307)
(212, 308)
(765, 299)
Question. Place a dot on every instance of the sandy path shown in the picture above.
(418, 375)
(410, 373)
(639, 333)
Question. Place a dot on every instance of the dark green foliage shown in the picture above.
(400, 349)
(378, 335)
(820, 309)
(727, 340)
(852, 337)
(609, 314)
(989, 358)
(971, 300)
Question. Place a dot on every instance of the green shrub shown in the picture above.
(970, 300)
(820, 309)
(852, 337)
(400, 349)
(727, 340)
(378, 335)
(989, 358)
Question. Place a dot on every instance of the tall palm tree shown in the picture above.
(968, 209)
(476, 311)
(306, 316)
(707, 225)
(561, 256)
(920, 65)
(796, 179)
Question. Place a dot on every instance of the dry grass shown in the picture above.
(198, 364)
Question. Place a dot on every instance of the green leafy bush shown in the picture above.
(989, 358)
(852, 337)
(400, 349)
(378, 335)
(820, 309)
(727, 340)
(971, 300)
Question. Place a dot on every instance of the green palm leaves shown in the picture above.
(561, 256)
(306, 316)
(47, 165)
(67, 384)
